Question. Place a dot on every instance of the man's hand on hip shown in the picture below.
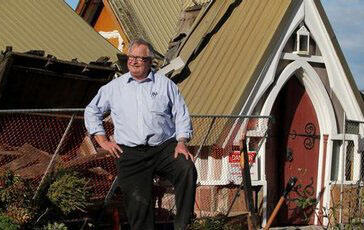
(109, 146)
(182, 149)
(112, 148)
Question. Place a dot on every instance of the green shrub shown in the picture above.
(15, 190)
(61, 192)
(16, 198)
(69, 193)
(55, 226)
(8, 223)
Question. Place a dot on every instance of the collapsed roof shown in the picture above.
(51, 58)
(33, 81)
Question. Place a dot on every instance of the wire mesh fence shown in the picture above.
(35, 143)
(216, 145)
(347, 195)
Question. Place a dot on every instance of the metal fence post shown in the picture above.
(343, 153)
(205, 138)
(55, 154)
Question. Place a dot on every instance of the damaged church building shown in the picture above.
(272, 71)
(280, 59)
(268, 58)
(260, 58)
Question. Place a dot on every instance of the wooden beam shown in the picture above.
(309, 58)
(56, 74)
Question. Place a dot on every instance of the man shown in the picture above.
(151, 128)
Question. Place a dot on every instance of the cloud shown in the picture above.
(347, 17)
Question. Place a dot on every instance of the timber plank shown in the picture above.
(28, 155)
(33, 171)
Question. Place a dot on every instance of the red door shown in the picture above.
(298, 150)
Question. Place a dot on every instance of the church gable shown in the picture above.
(308, 57)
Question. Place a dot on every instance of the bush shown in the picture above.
(55, 226)
(69, 193)
(15, 190)
(8, 223)
(16, 198)
(219, 222)
(61, 193)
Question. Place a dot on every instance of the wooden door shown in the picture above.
(298, 150)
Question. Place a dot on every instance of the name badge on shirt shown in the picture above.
(154, 94)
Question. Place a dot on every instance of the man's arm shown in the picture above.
(94, 113)
(183, 123)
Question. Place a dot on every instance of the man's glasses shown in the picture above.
(138, 58)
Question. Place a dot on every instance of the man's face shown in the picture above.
(139, 61)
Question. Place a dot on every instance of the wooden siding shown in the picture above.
(105, 22)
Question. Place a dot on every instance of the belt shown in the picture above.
(146, 147)
(142, 148)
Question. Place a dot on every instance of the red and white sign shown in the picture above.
(235, 168)
(234, 157)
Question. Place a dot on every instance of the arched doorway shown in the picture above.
(293, 151)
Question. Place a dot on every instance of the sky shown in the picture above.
(72, 3)
(347, 19)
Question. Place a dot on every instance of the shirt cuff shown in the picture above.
(186, 136)
(97, 131)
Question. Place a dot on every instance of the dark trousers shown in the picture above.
(136, 169)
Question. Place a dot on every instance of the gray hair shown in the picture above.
(140, 41)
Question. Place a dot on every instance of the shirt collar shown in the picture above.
(150, 77)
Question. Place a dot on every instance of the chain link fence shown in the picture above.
(216, 145)
(35, 143)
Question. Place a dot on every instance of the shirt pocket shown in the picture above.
(162, 117)
(160, 105)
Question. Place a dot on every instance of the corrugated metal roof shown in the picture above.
(52, 26)
(153, 20)
(190, 3)
(222, 74)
